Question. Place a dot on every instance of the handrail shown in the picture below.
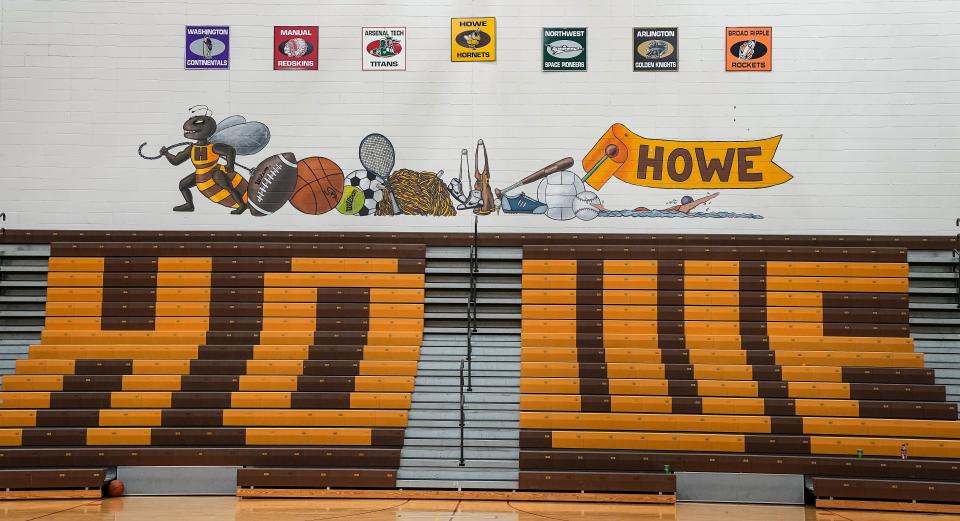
(463, 415)
(472, 301)
(476, 245)
(956, 266)
(474, 270)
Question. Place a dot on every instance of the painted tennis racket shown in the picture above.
(378, 156)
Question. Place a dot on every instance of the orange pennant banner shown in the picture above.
(658, 163)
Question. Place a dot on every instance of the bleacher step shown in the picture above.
(463, 300)
(447, 453)
(475, 424)
(454, 405)
(430, 457)
(458, 473)
(457, 485)
(469, 463)
(472, 415)
(483, 331)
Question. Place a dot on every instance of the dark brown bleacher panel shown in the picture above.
(276, 477)
(115, 271)
(646, 461)
(206, 400)
(741, 253)
(194, 436)
(582, 481)
(240, 249)
(921, 242)
(589, 312)
(26, 479)
(886, 489)
(153, 456)
(875, 301)
(51, 483)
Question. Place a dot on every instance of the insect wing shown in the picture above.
(231, 121)
(246, 138)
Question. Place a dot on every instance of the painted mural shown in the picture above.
(317, 185)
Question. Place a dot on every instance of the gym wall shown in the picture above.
(864, 95)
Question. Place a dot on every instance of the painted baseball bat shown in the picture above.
(561, 165)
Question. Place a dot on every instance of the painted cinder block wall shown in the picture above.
(865, 94)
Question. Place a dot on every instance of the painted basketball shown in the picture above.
(114, 488)
(319, 186)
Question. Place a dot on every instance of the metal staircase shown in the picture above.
(469, 438)
(935, 314)
(23, 296)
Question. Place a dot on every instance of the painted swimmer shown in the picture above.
(687, 204)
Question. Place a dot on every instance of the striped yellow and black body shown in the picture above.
(206, 161)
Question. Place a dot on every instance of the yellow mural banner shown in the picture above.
(659, 163)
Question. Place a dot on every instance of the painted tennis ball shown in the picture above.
(352, 201)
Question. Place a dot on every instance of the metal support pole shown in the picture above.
(475, 269)
(476, 242)
(463, 416)
(469, 375)
(956, 265)
(472, 302)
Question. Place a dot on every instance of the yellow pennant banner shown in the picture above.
(658, 163)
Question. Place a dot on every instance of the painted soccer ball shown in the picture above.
(295, 48)
(371, 186)
(559, 190)
(583, 206)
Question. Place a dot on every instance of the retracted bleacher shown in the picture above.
(295, 358)
(785, 360)
(254, 354)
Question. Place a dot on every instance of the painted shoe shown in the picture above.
(521, 204)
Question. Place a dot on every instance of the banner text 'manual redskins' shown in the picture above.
(657, 163)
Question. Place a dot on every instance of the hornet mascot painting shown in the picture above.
(212, 150)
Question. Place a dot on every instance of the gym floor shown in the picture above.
(230, 508)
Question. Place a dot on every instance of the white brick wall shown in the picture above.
(866, 94)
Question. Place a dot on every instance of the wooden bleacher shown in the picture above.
(888, 494)
(295, 358)
(725, 359)
(75, 483)
(256, 354)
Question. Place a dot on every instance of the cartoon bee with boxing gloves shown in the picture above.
(213, 150)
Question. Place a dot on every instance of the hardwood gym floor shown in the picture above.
(229, 508)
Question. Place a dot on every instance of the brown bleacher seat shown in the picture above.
(305, 478)
(623, 482)
(298, 359)
(887, 494)
(192, 353)
(742, 352)
(51, 484)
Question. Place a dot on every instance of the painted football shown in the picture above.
(272, 183)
